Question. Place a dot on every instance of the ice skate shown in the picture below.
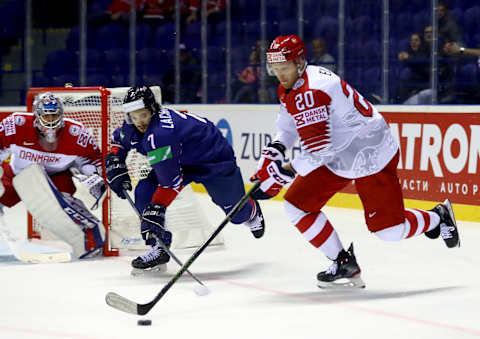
(447, 228)
(154, 260)
(257, 224)
(344, 273)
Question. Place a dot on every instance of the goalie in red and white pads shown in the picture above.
(42, 147)
(342, 138)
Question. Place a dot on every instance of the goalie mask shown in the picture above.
(139, 98)
(48, 110)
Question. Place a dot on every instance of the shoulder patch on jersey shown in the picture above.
(84, 137)
(9, 123)
(160, 154)
(299, 83)
(74, 130)
(20, 120)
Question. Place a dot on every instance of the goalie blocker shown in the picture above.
(63, 215)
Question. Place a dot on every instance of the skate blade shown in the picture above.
(149, 271)
(342, 284)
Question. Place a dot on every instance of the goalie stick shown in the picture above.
(166, 249)
(125, 305)
(27, 256)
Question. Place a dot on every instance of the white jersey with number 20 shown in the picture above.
(336, 126)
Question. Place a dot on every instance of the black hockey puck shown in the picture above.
(144, 322)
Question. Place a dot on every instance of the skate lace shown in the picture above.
(152, 254)
(332, 269)
(255, 224)
(446, 231)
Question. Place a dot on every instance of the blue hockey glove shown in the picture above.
(117, 175)
(153, 225)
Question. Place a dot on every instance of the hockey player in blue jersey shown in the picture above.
(181, 148)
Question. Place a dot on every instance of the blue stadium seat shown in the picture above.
(420, 20)
(73, 38)
(120, 80)
(471, 18)
(372, 50)
(457, 14)
(143, 35)
(153, 79)
(289, 26)
(39, 80)
(164, 36)
(97, 79)
(60, 62)
(153, 60)
(111, 36)
(117, 60)
(94, 60)
(468, 75)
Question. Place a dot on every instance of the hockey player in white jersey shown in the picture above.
(42, 147)
(342, 138)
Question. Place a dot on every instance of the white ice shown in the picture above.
(262, 288)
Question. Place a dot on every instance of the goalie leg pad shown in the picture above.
(61, 214)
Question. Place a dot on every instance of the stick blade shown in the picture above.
(121, 303)
(43, 258)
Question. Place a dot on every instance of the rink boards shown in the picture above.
(440, 149)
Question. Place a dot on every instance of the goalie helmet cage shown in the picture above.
(100, 110)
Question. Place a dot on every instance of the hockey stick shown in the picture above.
(123, 304)
(204, 290)
(27, 256)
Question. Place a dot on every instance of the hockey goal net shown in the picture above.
(100, 110)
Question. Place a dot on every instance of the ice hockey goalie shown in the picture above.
(54, 145)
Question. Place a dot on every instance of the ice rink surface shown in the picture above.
(262, 288)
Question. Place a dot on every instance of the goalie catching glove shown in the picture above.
(117, 175)
(272, 179)
(153, 225)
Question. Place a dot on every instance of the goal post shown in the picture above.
(100, 110)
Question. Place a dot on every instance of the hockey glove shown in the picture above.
(117, 175)
(272, 179)
(95, 185)
(272, 152)
(153, 225)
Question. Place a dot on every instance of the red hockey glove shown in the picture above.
(272, 179)
(272, 152)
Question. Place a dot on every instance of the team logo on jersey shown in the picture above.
(74, 130)
(83, 138)
(19, 120)
(298, 84)
(2, 128)
(224, 127)
(311, 116)
(9, 123)
(160, 154)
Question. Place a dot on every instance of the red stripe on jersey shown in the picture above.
(323, 236)
(412, 219)
(426, 218)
